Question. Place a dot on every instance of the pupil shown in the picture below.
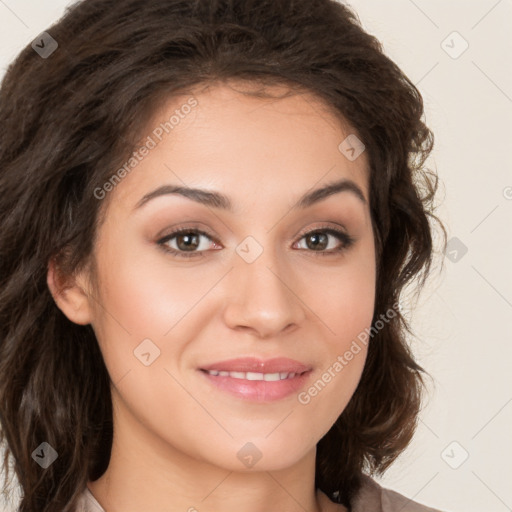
(315, 237)
(188, 236)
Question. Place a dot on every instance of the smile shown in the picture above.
(254, 375)
(257, 387)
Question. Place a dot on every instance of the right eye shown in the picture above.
(188, 239)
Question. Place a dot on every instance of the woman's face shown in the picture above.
(267, 280)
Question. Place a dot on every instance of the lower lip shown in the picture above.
(258, 390)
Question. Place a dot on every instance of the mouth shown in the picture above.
(257, 380)
(268, 377)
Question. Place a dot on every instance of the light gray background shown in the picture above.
(463, 320)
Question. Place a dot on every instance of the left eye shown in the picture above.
(320, 238)
(188, 242)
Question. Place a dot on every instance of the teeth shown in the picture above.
(253, 375)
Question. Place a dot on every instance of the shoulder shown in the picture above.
(87, 503)
(372, 497)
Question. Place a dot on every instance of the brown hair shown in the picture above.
(69, 119)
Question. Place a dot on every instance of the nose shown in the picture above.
(264, 296)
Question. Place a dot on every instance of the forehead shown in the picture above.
(254, 147)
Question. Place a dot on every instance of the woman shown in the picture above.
(208, 212)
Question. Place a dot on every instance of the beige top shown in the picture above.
(370, 498)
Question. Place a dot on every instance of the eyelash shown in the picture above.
(343, 237)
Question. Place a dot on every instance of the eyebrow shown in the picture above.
(221, 201)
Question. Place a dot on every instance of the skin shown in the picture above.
(176, 437)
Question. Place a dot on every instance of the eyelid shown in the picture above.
(185, 229)
(322, 227)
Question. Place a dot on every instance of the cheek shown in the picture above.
(347, 314)
(346, 309)
(141, 293)
(132, 305)
(344, 296)
(143, 297)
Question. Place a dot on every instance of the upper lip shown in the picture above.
(253, 364)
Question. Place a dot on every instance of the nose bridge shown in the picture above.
(261, 296)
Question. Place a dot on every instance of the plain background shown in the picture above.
(459, 460)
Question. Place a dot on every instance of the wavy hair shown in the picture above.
(70, 118)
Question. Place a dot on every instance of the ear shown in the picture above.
(69, 294)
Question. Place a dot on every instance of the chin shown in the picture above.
(263, 454)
